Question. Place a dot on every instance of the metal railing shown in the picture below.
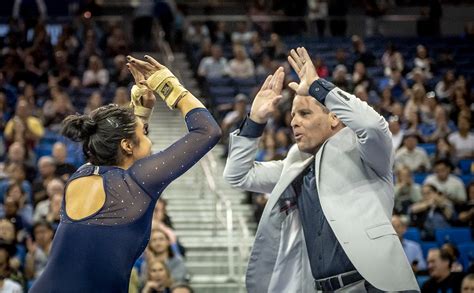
(223, 212)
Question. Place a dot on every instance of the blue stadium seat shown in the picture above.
(419, 177)
(219, 81)
(453, 235)
(247, 82)
(217, 91)
(430, 148)
(467, 178)
(466, 251)
(412, 233)
(426, 246)
(421, 280)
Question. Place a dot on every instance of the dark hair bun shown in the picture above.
(78, 127)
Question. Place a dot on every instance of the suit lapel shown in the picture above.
(287, 177)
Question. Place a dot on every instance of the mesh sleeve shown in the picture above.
(157, 171)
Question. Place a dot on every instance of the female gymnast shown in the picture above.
(108, 203)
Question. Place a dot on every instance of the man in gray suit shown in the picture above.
(327, 224)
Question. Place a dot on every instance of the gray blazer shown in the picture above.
(355, 185)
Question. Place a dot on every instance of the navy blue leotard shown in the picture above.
(97, 253)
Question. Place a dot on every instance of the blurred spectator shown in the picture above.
(162, 246)
(445, 87)
(361, 53)
(423, 61)
(463, 139)
(447, 183)
(95, 101)
(160, 215)
(221, 35)
(63, 169)
(321, 68)
(143, 24)
(11, 209)
(95, 75)
(428, 109)
(392, 60)
(412, 249)
(19, 198)
(360, 77)
(266, 67)
(158, 277)
(407, 192)
(467, 284)
(38, 250)
(242, 34)
(317, 14)
(48, 206)
(47, 169)
(17, 153)
(117, 43)
(8, 239)
(234, 118)
(62, 71)
(373, 10)
(451, 248)
(181, 288)
(411, 155)
(397, 132)
(397, 85)
(342, 57)
(7, 285)
(434, 211)
(15, 173)
(361, 93)
(276, 48)
(444, 151)
(340, 78)
(441, 278)
(121, 97)
(260, 202)
(443, 126)
(466, 209)
(214, 65)
(23, 127)
(385, 106)
(120, 75)
(55, 110)
(241, 66)
(415, 100)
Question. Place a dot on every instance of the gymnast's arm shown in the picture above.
(155, 172)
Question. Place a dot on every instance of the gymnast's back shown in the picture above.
(96, 253)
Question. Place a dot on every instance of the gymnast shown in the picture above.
(108, 203)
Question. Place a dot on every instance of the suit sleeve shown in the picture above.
(241, 170)
(374, 138)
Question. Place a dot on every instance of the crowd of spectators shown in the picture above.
(41, 82)
(423, 93)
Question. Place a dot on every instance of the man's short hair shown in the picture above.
(182, 286)
(445, 162)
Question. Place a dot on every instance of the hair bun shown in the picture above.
(78, 127)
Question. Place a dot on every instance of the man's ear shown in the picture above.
(127, 146)
(333, 120)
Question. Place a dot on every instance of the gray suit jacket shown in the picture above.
(355, 186)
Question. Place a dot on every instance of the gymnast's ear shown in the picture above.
(127, 146)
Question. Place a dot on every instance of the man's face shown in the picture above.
(410, 143)
(399, 227)
(467, 286)
(311, 126)
(442, 171)
(436, 266)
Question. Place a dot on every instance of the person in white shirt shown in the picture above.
(214, 65)
(463, 140)
(412, 156)
(412, 248)
(241, 66)
(396, 130)
(447, 183)
(95, 75)
(7, 285)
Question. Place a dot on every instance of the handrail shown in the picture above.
(208, 163)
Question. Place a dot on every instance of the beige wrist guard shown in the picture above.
(136, 103)
(167, 86)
